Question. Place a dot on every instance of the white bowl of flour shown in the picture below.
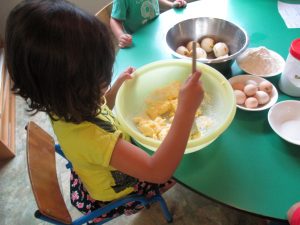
(261, 62)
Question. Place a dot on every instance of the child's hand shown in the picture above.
(125, 40)
(179, 4)
(111, 94)
(191, 93)
(127, 74)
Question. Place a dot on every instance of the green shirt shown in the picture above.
(134, 13)
(89, 148)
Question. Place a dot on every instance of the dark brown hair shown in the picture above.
(59, 57)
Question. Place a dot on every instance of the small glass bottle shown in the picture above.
(289, 82)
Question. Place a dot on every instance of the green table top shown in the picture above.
(248, 167)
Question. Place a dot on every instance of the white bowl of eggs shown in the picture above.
(253, 93)
(219, 42)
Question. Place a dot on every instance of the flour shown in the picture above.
(260, 61)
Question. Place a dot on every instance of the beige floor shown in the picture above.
(17, 204)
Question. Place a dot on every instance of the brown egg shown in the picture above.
(189, 45)
(220, 49)
(262, 97)
(250, 89)
(238, 86)
(200, 53)
(251, 82)
(182, 50)
(222, 57)
(207, 44)
(240, 97)
(251, 102)
(265, 86)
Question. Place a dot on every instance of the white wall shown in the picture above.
(92, 6)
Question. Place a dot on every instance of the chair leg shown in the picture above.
(168, 216)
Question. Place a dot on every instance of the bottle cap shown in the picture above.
(295, 48)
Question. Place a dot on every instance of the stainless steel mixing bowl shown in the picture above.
(220, 30)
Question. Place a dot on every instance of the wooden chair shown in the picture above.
(104, 16)
(44, 183)
(7, 112)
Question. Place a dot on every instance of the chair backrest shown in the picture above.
(104, 15)
(42, 173)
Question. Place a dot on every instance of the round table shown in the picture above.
(249, 167)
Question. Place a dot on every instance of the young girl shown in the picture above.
(128, 16)
(60, 59)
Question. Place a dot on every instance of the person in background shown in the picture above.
(61, 59)
(127, 16)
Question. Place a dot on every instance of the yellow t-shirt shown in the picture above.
(89, 148)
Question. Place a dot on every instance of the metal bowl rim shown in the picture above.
(225, 59)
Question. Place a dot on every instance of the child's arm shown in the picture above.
(159, 167)
(174, 4)
(294, 214)
(123, 38)
(111, 94)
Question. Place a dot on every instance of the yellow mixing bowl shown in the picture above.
(130, 100)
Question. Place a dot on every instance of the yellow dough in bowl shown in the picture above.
(161, 107)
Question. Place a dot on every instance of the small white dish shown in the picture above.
(246, 77)
(284, 119)
(261, 61)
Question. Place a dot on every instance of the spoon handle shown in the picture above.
(194, 57)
